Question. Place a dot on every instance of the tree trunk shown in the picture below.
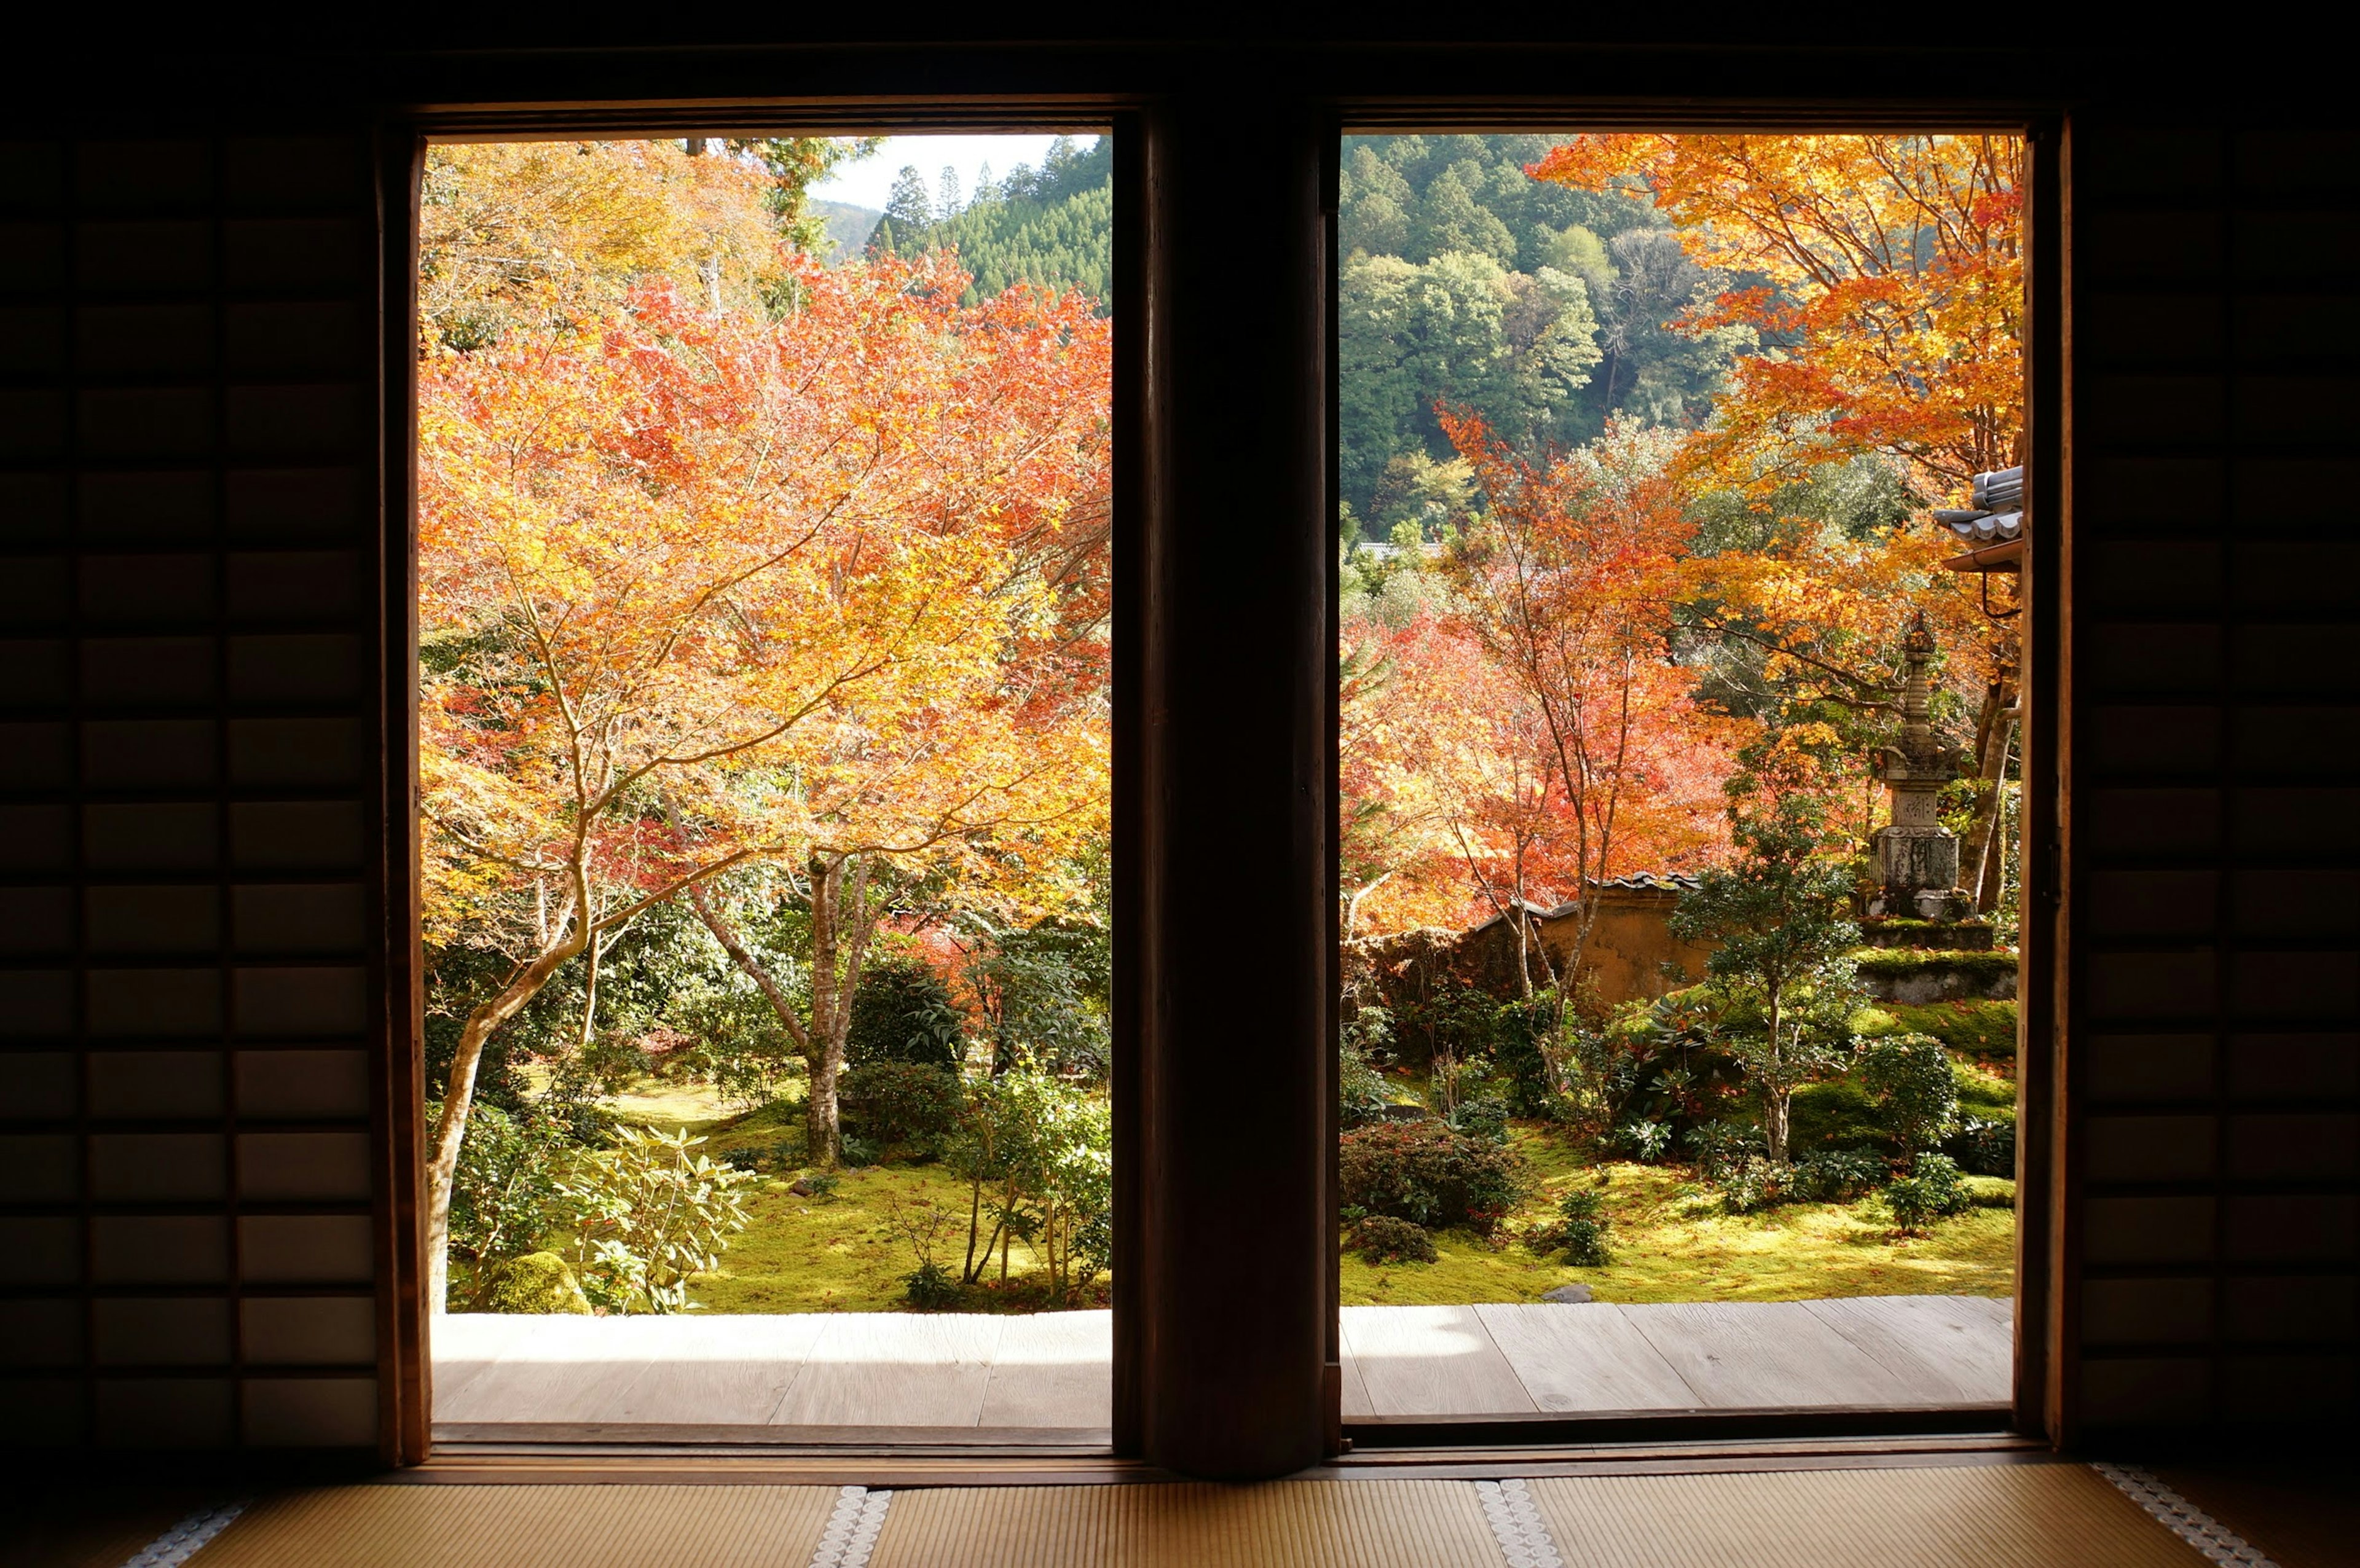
(1774, 1122)
(459, 1093)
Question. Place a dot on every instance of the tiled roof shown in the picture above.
(1997, 514)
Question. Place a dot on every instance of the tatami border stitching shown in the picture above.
(2217, 1540)
(851, 1533)
(1516, 1523)
(183, 1542)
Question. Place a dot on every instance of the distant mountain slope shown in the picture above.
(1054, 226)
(847, 227)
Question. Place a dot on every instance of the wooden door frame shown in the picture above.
(1145, 468)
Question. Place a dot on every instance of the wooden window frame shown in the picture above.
(1150, 431)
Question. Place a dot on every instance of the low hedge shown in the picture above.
(1426, 1174)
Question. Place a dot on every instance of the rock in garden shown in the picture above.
(1568, 1294)
(536, 1283)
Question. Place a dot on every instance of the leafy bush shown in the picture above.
(1521, 1035)
(900, 1102)
(1485, 1116)
(1755, 1183)
(1718, 1148)
(1453, 1024)
(1426, 1173)
(1984, 1148)
(1038, 1154)
(1909, 1078)
(1381, 1238)
(1838, 1176)
(858, 1153)
(1935, 1189)
(1360, 1091)
(1046, 992)
(653, 1212)
(1645, 1141)
(508, 1194)
(820, 1185)
(902, 1011)
(1579, 1230)
(931, 1286)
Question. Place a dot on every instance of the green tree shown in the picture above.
(911, 205)
(1781, 973)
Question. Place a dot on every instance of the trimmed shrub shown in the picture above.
(1934, 1190)
(536, 1283)
(903, 1012)
(1916, 1095)
(1381, 1238)
(1427, 1174)
(899, 1103)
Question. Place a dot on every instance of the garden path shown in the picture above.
(1046, 1379)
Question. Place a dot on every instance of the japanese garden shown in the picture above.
(765, 598)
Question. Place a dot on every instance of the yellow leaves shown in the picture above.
(771, 585)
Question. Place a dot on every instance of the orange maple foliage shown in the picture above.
(702, 590)
(1596, 758)
(1895, 304)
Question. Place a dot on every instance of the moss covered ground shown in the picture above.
(1671, 1240)
(1672, 1243)
(835, 1254)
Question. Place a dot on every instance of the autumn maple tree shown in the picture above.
(704, 592)
(1893, 295)
(1890, 320)
(1565, 580)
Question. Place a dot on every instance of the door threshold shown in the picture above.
(1674, 1425)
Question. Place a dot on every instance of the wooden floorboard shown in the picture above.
(726, 1370)
(1585, 1358)
(1054, 1369)
(1940, 1348)
(1771, 1354)
(1432, 1361)
(895, 1370)
(1053, 1372)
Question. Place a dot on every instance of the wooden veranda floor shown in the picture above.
(1047, 1378)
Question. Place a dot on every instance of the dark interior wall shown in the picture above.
(187, 511)
(2214, 748)
(196, 1224)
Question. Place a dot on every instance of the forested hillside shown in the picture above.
(847, 228)
(1540, 307)
(1052, 226)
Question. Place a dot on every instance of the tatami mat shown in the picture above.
(1299, 1524)
(1991, 1516)
(528, 1527)
(1979, 1516)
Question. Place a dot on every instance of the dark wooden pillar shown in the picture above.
(1228, 776)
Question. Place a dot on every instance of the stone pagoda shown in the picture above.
(1916, 856)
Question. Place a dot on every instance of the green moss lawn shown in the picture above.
(1671, 1240)
(1672, 1243)
(837, 1254)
